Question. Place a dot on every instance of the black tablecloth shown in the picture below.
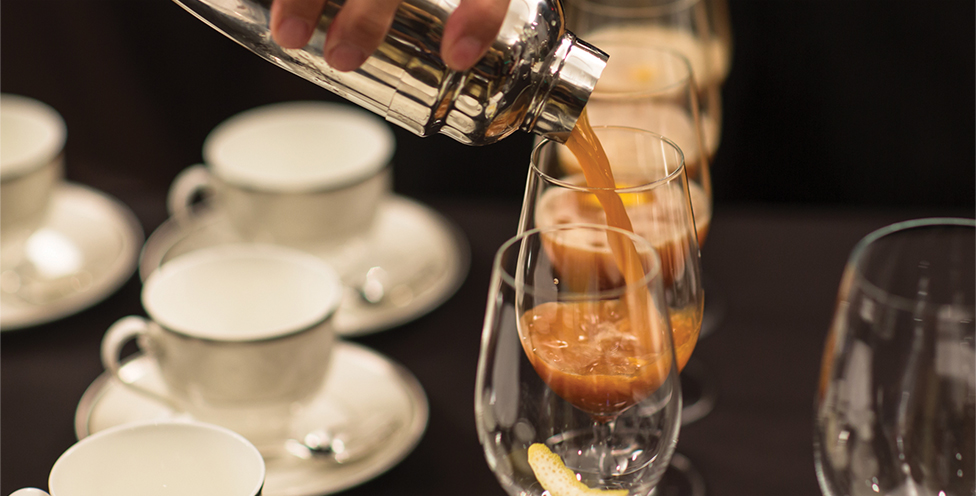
(776, 270)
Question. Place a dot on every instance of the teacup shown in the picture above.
(304, 174)
(241, 333)
(157, 458)
(31, 165)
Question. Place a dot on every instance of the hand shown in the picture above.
(361, 25)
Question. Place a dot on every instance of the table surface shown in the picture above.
(775, 269)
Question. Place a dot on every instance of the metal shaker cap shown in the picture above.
(573, 72)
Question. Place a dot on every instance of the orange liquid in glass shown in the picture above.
(587, 353)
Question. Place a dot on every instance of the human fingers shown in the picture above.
(292, 21)
(356, 32)
(470, 30)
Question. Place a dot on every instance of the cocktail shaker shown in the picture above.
(536, 76)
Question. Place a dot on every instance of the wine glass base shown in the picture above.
(680, 479)
(698, 392)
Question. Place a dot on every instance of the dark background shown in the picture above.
(828, 102)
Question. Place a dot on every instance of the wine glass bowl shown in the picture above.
(584, 373)
(896, 405)
(657, 197)
(653, 88)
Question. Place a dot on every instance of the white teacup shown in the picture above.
(241, 333)
(32, 137)
(303, 174)
(156, 459)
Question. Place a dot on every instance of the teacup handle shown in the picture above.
(120, 333)
(29, 491)
(188, 184)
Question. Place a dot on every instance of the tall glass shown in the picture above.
(896, 406)
(686, 26)
(577, 385)
(649, 172)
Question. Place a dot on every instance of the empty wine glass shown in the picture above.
(577, 386)
(896, 406)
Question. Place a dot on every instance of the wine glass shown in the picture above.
(653, 88)
(577, 385)
(896, 406)
(649, 172)
(686, 26)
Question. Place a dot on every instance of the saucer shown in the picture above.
(89, 241)
(422, 259)
(361, 383)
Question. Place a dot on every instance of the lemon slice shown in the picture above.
(559, 480)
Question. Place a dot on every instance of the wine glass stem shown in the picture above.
(603, 439)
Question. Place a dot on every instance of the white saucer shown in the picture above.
(361, 383)
(424, 257)
(101, 233)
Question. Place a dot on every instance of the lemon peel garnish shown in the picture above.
(559, 480)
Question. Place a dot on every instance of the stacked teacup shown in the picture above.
(309, 175)
(157, 458)
(240, 333)
(64, 246)
(31, 164)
